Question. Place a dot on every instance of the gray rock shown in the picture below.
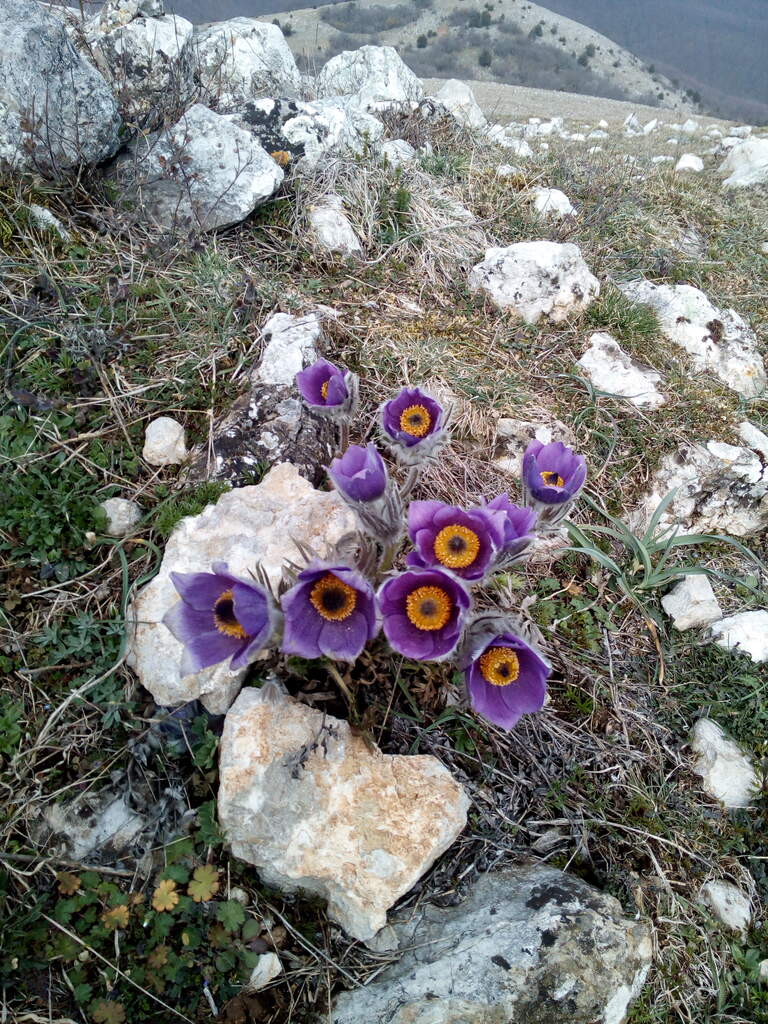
(202, 173)
(241, 60)
(306, 134)
(56, 111)
(146, 60)
(268, 425)
(164, 442)
(529, 944)
(122, 515)
(374, 75)
(330, 229)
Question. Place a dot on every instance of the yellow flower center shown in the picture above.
(324, 389)
(333, 599)
(428, 607)
(500, 666)
(456, 546)
(224, 616)
(415, 420)
(552, 479)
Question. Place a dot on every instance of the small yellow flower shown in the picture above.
(165, 896)
(116, 917)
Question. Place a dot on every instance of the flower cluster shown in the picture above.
(427, 609)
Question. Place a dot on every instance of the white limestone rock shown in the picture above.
(746, 163)
(45, 221)
(717, 340)
(512, 171)
(501, 135)
(551, 203)
(727, 773)
(122, 515)
(720, 488)
(398, 153)
(689, 162)
(691, 603)
(315, 808)
(528, 943)
(746, 632)
(375, 76)
(330, 229)
(291, 343)
(201, 174)
(247, 526)
(610, 369)
(56, 110)
(146, 60)
(662, 159)
(742, 131)
(268, 967)
(632, 125)
(305, 135)
(728, 904)
(651, 126)
(598, 133)
(164, 442)
(535, 279)
(460, 100)
(241, 60)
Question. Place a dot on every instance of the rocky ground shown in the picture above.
(300, 840)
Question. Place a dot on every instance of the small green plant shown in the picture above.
(190, 503)
(648, 566)
(626, 319)
(11, 713)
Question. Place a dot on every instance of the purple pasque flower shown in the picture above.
(552, 473)
(519, 526)
(329, 390)
(359, 474)
(361, 478)
(423, 613)
(466, 542)
(219, 616)
(414, 425)
(506, 678)
(331, 611)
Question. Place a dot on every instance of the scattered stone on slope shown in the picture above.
(717, 340)
(316, 808)
(728, 904)
(46, 221)
(202, 173)
(246, 526)
(271, 424)
(536, 279)
(375, 76)
(267, 425)
(529, 943)
(610, 369)
(398, 153)
(290, 344)
(746, 163)
(720, 488)
(727, 773)
(122, 515)
(551, 203)
(306, 134)
(457, 97)
(146, 60)
(746, 632)
(56, 110)
(689, 162)
(330, 229)
(164, 442)
(500, 135)
(241, 60)
(692, 603)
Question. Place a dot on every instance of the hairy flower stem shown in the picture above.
(344, 439)
(388, 557)
(410, 481)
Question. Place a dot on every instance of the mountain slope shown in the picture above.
(504, 41)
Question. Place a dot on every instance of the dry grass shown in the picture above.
(599, 783)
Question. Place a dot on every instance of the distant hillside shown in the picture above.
(504, 41)
(716, 47)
